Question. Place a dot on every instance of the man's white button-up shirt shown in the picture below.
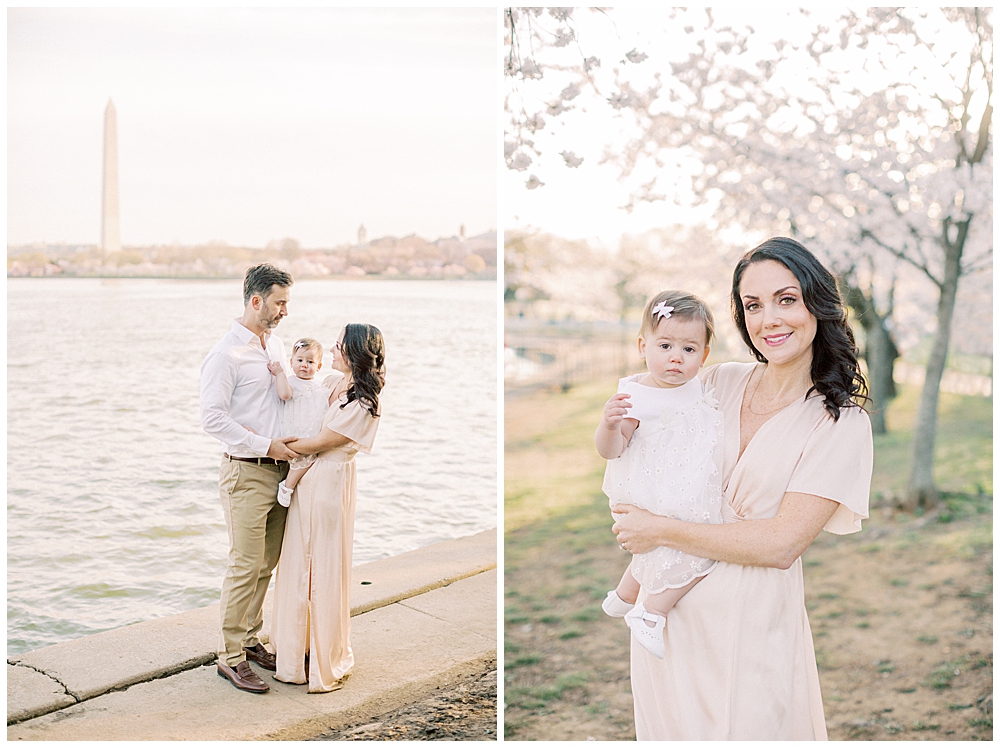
(238, 394)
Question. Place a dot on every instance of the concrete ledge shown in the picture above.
(46, 680)
(390, 580)
(403, 652)
(30, 692)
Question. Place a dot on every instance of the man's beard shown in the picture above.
(269, 322)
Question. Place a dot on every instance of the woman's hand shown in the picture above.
(324, 440)
(638, 531)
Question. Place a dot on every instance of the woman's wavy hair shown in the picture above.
(364, 350)
(835, 372)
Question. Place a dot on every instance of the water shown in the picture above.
(113, 514)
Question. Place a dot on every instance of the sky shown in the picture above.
(249, 125)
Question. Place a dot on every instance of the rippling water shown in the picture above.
(113, 513)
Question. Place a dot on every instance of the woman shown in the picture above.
(739, 659)
(311, 624)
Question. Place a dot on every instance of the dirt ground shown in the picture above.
(901, 613)
(465, 711)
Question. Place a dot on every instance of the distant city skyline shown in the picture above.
(247, 126)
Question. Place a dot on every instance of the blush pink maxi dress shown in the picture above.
(739, 662)
(312, 600)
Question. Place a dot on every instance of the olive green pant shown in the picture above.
(256, 523)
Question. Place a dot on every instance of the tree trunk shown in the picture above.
(880, 354)
(921, 491)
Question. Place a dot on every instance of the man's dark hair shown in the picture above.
(260, 278)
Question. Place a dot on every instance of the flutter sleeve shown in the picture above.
(836, 464)
(355, 422)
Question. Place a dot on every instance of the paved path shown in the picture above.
(420, 620)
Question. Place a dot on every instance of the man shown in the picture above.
(240, 408)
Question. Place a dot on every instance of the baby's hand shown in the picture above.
(274, 367)
(615, 409)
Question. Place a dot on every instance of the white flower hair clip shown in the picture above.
(662, 310)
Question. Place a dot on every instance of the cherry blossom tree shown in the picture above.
(868, 138)
(706, 114)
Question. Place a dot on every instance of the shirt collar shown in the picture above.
(245, 335)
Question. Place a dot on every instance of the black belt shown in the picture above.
(257, 460)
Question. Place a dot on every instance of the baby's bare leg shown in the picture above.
(661, 602)
(628, 587)
(295, 475)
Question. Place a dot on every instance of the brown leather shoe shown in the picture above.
(243, 677)
(261, 656)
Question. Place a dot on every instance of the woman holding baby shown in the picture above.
(738, 657)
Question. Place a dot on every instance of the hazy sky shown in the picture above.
(246, 125)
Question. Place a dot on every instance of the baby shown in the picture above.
(662, 437)
(305, 404)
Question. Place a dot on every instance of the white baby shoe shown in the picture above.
(651, 637)
(284, 494)
(614, 606)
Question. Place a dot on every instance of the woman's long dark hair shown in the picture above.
(835, 372)
(364, 350)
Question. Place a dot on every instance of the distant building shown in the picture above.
(362, 236)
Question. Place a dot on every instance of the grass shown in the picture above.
(945, 672)
(551, 464)
(540, 696)
(963, 450)
(525, 660)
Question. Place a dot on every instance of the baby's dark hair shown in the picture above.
(309, 344)
(364, 350)
(685, 306)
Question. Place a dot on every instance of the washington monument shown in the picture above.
(110, 240)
